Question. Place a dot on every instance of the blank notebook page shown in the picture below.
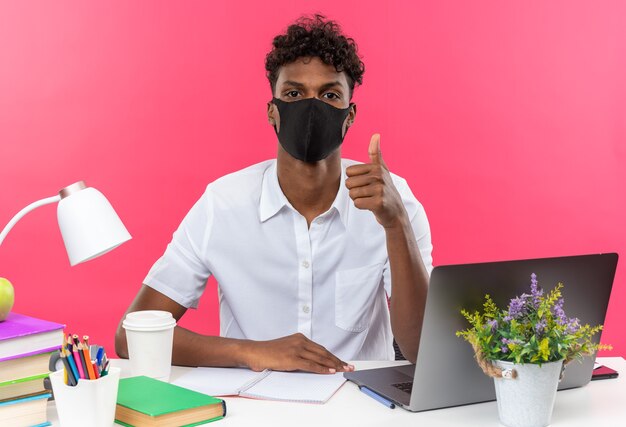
(296, 387)
(218, 381)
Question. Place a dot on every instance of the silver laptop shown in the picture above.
(445, 373)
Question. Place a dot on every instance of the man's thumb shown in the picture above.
(374, 150)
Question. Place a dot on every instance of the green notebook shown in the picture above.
(144, 401)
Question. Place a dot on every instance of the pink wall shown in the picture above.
(507, 118)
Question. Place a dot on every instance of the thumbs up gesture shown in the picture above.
(372, 188)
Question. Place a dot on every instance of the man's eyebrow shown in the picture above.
(292, 83)
(301, 85)
(330, 84)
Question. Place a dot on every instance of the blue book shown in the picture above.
(25, 411)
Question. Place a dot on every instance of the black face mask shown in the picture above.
(310, 129)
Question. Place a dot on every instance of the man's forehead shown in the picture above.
(310, 71)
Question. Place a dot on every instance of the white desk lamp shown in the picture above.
(89, 225)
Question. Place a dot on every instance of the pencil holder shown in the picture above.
(89, 403)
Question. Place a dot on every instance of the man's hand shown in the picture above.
(293, 353)
(371, 188)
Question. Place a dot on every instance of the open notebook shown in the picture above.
(270, 385)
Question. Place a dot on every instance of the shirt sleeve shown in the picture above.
(181, 273)
(421, 229)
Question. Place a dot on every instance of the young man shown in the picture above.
(305, 248)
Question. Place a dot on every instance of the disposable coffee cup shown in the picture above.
(150, 334)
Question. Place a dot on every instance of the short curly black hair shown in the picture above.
(315, 36)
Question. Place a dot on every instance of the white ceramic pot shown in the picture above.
(528, 399)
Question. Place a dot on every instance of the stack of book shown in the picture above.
(26, 344)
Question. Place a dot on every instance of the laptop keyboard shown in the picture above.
(406, 387)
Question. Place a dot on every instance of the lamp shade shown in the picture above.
(89, 225)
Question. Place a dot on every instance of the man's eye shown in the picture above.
(292, 94)
(331, 95)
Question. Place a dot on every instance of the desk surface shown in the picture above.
(599, 403)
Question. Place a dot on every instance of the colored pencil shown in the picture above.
(69, 375)
(95, 369)
(87, 357)
(78, 363)
(83, 361)
(70, 361)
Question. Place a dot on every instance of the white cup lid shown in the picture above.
(149, 320)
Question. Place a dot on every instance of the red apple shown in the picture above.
(7, 297)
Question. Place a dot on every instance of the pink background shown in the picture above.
(507, 118)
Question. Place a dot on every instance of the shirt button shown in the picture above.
(305, 264)
(306, 309)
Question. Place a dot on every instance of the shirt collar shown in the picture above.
(273, 199)
(342, 201)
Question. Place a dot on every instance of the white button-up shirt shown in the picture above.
(277, 276)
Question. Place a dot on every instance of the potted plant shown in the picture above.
(524, 348)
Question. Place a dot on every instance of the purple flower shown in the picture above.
(533, 281)
(535, 291)
(504, 349)
(493, 324)
(540, 326)
(558, 312)
(573, 326)
(516, 308)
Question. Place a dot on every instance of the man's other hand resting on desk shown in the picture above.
(291, 353)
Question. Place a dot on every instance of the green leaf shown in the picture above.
(544, 349)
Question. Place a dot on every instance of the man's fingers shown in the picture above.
(315, 348)
(362, 181)
(366, 203)
(367, 191)
(331, 364)
(376, 156)
(360, 169)
(310, 366)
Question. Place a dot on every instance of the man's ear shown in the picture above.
(271, 113)
(351, 115)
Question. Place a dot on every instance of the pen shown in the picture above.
(104, 360)
(99, 355)
(388, 403)
(105, 369)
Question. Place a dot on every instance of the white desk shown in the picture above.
(600, 403)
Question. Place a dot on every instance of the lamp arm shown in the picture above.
(24, 211)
